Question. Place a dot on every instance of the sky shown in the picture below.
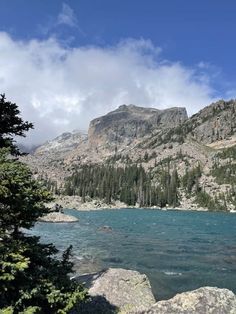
(67, 62)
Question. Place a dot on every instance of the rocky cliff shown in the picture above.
(214, 123)
(161, 142)
(127, 123)
(62, 144)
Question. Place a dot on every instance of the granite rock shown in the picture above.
(58, 217)
(205, 300)
(117, 290)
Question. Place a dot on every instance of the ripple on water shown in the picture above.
(178, 251)
(172, 273)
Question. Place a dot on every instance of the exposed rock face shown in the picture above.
(131, 122)
(215, 122)
(63, 143)
(49, 160)
(118, 289)
(206, 300)
(58, 217)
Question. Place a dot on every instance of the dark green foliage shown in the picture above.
(225, 174)
(124, 159)
(29, 273)
(191, 179)
(51, 185)
(173, 135)
(228, 153)
(147, 157)
(231, 195)
(32, 280)
(130, 184)
(190, 182)
(21, 197)
(203, 199)
(11, 124)
(30, 276)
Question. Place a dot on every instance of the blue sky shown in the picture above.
(102, 53)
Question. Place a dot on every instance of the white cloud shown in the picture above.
(67, 16)
(61, 89)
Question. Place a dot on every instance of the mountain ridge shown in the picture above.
(154, 139)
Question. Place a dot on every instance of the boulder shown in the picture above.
(58, 217)
(105, 229)
(205, 300)
(117, 290)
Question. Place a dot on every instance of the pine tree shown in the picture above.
(32, 280)
(11, 124)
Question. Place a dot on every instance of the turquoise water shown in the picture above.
(178, 251)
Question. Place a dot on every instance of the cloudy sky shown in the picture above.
(65, 63)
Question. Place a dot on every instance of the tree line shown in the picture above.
(130, 184)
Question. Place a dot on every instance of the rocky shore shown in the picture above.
(117, 290)
(75, 202)
(58, 218)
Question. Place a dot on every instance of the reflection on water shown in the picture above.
(178, 251)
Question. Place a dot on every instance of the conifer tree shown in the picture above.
(11, 124)
(32, 280)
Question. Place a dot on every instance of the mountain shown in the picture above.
(127, 123)
(48, 161)
(147, 157)
(213, 123)
(63, 143)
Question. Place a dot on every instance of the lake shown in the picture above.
(177, 250)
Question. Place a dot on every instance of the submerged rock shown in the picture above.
(205, 300)
(105, 229)
(117, 290)
(58, 217)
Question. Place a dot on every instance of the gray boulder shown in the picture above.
(206, 300)
(117, 290)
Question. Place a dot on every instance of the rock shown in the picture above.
(58, 217)
(213, 123)
(105, 229)
(117, 290)
(205, 300)
(62, 143)
(127, 123)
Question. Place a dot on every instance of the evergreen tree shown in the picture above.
(32, 280)
(130, 184)
(11, 124)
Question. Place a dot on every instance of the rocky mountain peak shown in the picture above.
(135, 109)
(131, 122)
(63, 143)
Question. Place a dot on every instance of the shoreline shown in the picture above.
(75, 202)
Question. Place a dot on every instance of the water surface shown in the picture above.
(177, 250)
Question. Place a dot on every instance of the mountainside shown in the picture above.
(63, 143)
(127, 123)
(214, 123)
(148, 157)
